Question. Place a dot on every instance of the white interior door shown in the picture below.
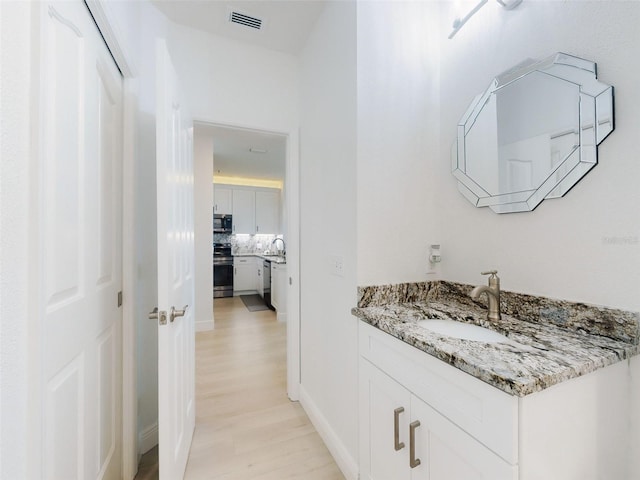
(176, 334)
(79, 248)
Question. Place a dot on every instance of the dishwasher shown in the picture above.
(266, 282)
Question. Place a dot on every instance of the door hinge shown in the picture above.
(120, 298)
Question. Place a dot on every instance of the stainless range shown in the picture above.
(222, 270)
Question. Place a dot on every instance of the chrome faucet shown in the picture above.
(493, 293)
(284, 246)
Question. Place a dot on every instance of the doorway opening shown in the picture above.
(253, 170)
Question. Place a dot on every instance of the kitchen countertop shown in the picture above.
(279, 259)
(539, 355)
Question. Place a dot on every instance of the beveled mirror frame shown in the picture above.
(595, 106)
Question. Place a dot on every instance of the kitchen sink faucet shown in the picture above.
(284, 246)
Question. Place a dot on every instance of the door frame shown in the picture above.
(111, 33)
(292, 183)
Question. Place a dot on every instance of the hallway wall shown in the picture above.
(328, 338)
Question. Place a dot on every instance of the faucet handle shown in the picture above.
(490, 272)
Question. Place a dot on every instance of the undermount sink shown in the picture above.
(464, 331)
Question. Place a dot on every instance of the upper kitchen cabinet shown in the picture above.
(244, 211)
(268, 212)
(222, 200)
(256, 211)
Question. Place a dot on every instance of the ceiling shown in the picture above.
(232, 156)
(286, 23)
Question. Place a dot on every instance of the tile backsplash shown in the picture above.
(247, 243)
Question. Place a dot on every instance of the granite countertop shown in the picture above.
(537, 356)
(279, 259)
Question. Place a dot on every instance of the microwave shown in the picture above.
(222, 223)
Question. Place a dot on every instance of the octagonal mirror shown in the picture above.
(532, 134)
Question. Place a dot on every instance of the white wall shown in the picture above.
(203, 228)
(232, 83)
(15, 151)
(328, 209)
(398, 63)
(585, 246)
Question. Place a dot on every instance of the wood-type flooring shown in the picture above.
(246, 427)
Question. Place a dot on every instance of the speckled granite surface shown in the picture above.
(550, 341)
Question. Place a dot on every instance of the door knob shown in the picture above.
(173, 313)
(160, 316)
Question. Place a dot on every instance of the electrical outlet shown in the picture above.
(336, 265)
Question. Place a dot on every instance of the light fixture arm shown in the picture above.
(459, 22)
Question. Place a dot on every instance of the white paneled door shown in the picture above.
(79, 248)
(176, 334)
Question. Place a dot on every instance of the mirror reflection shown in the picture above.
(532, 134)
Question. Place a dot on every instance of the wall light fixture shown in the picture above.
(459, 22)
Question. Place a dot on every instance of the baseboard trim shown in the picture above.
(148, 438)
(204, 325)
(347, 464)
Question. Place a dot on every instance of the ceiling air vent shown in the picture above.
(245, 20)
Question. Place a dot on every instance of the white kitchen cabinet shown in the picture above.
(268, 212)
(278, 286)
(222, 200)
(244, 278)
(244, 211)
(403, 438)
(259, 278)
(256, 211)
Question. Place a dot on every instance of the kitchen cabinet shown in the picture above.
(259, 280)
(412, 419)
(268, 212)
(244, 279)
(244, 211)
(256, 211)
(278, 286)
(222, 200)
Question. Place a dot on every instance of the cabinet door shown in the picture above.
(222, 200)
(385, 404)
(244, 211)
(244, 274)
(448, 453)
(275, 287)
(268, 212)
(258, 277)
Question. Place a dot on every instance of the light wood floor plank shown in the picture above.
(246, 427)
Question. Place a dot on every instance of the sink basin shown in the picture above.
(464, 331)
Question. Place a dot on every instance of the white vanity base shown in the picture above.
(578, 429)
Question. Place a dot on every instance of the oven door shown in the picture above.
(223, 277)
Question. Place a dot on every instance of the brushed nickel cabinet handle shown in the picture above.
(397, 444)
(413, 461)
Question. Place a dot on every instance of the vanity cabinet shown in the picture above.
(244, 275)
(455, 428)
(470, 430)
(427, 445)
